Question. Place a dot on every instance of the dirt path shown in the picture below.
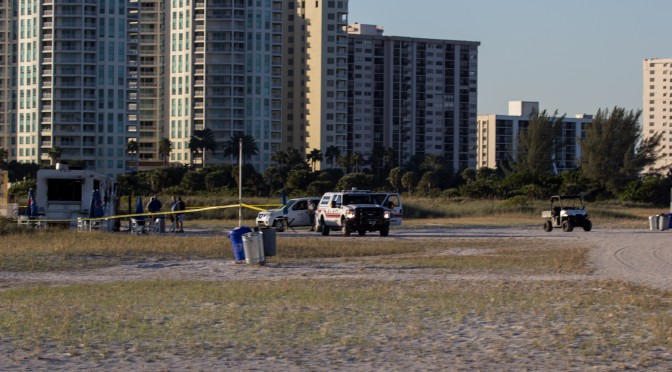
(638, 256)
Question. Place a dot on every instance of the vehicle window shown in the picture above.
(379, 198)
(394, 200)
(290, 203)
(337, 200)
(358, 199)
(325, 200)
(302, 205)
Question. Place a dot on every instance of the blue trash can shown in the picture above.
(236, 236)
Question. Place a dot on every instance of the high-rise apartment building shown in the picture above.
(88, 77)
(224, 71)
(497, 137)
(416, 96)
(7, 96)
(657, 105)
(316, 78)
(76, 81)
(151, 113)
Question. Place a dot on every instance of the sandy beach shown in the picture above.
(640, 257)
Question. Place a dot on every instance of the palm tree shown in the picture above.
(55, 154)
(388, 157)
(250, 148)
(356, 159)
(332, 154)
(165, 148)
(132, 149)
(201, 141)
(343, 161)
(314, 156)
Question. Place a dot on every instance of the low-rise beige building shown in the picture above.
(497, 138)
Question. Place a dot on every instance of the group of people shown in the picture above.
(176, 219)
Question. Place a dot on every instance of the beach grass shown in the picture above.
(281, 318)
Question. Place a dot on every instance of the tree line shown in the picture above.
(616, 163)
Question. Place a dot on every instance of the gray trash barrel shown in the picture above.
(663, 222)
(253, 245)
(268, 235)
(653, 222)
(160, 224)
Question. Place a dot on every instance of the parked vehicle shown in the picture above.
(567, 212)
(295, 213)
(358, 210)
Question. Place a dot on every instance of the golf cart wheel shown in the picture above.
(278, 226)
(567, 226)
(587, 225)
(361, 232)
(548, 226)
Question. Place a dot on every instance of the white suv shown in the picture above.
(358, 210)
(294, 214)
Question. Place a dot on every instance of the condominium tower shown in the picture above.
(90, 77)
(225, 75)
(77, 81)
(657, 106)
(316, 45)
(414, 95)
(151, 105)
(7, 93)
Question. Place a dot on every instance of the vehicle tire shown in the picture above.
(587, 225)
(278, 226)
(325, 228)
(345, 230)
(361, 232)
(548, 226)
(385, 231)
(567, 226)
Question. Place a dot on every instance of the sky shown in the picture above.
(573, 56)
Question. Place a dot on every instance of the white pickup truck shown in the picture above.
(358, 211)
(294, 214)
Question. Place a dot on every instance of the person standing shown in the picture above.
(173, 220)
(312, 206)
(179, 218)
(154, 205)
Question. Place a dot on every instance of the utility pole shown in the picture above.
(240, 182)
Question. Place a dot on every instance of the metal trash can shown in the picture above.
(653, 222)
(253, 244)
(663, 222)
(160, 224)
(268, 236)
(236, 236)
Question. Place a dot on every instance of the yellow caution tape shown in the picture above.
(150, 214)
